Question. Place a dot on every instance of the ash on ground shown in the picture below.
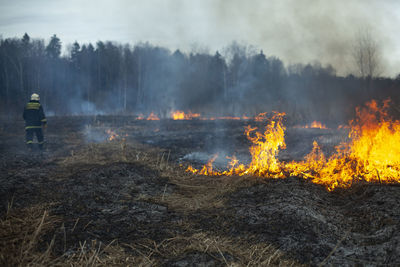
(134, 193)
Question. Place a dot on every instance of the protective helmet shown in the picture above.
(35, 97)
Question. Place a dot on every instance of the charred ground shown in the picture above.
(130, 201)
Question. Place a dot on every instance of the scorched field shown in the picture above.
(118, 190)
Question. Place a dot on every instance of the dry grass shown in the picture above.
(201, 192)
(115, 151)
(97, 254)
(21, 233)
(224, 250)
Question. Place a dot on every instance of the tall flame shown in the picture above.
(266, 146)
(372, 155)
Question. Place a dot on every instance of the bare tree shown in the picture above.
(366, 54)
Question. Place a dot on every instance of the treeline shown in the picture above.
(110, 78)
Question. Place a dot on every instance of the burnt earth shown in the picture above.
(307, 221)
(110, 202)
(133, 190)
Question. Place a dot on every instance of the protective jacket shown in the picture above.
(33, 115)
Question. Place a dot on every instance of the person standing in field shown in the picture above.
(35, 120)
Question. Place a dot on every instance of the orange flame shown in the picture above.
(111, 135)
(244, 117)
(207, 168)
(153, 117)
(261, 117)
(318, 125)
(313, 125)
(181, 115)
(343, 127)
(372, 155)
(228, 118)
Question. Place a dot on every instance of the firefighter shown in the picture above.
(35, 120)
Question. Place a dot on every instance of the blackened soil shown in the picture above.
(128, 198)
(307, 221)
(112, 202)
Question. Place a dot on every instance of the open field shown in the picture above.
(91, 201)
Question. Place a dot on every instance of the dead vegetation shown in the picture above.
(131, 203)
(21, 237)
(215, 250)
(23, 233)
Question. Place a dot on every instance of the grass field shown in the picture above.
(91, 201)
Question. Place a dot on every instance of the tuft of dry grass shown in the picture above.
(21, 233)
(98, 254)
(224, 250)
(22, 243)
(116, 151)
(195, 192)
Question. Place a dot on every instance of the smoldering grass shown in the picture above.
(190, 193)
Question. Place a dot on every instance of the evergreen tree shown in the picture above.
(53, 49)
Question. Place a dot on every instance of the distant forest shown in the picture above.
(111, 78)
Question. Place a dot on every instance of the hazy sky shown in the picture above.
(297, 31)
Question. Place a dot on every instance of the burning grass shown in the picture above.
(34, 237)
(151, 117)
(181, 115)
(313, 125)
(128, 202)
(373, 154)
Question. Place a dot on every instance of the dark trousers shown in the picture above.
(39, 135)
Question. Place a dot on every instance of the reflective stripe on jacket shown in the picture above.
(33, 115)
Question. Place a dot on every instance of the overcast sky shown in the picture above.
(297, 31)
